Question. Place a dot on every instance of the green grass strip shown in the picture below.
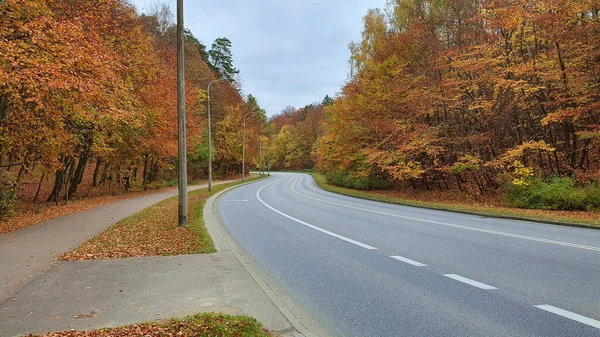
(544, 216)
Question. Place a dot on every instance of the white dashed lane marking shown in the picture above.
(570, 315)
(409, 261)
(470, 282)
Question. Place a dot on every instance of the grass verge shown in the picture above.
(203, 325)
(572, 218)
(154, 232)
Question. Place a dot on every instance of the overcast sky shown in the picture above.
(289, 52)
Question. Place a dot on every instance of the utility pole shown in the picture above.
(260, 171)
(209, 143)
(209, 134)
(182, 172)
(244, 148)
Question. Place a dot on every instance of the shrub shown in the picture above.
(555, 194)
(592, 193)
(155, 185)
(343, 179)
(7, 197)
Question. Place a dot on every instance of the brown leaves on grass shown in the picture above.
(204, 325)
(151, 232)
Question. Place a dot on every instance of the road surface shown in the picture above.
(367, 268)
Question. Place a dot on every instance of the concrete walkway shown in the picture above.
(28, 253)
(95, 294)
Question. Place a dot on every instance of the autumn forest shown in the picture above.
(482, 97)
(88, 95)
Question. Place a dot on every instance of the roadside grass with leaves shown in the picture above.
(153, 232)
(203, 325)
(494, 208)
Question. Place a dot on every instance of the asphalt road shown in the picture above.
(373, 269)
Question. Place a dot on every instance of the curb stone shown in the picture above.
(304, 324)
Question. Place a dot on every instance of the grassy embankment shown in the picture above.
(576, 218)
(153, 232)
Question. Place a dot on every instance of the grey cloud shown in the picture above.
(290, 52)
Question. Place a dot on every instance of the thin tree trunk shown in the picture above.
(561, 63)
(458, 182)
(96, 171)
(78, 174)
(68, 180)
(58, 181)
(37, 193)
(477, 183)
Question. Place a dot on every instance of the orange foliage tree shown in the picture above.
(447, 94)
(93, 83)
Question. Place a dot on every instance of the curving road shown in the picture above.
(373, 269)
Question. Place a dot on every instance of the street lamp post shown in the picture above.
(209, 135)
(244, 148)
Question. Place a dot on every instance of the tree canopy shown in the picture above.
(92, 82)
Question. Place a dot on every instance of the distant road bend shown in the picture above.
(367, 268)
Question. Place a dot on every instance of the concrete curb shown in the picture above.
(304, 323)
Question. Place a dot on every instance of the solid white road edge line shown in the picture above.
(570, 315)
(341, 237)
(409, 261)
(470, 282)
(488, 231)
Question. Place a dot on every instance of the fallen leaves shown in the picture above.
(204, 325)
(151, 232)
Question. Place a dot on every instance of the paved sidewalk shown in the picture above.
(95, 294)
(29, 252)
(84, 295)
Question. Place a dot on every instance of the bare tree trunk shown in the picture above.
(58, 180)
(457, 176)
(479, 186)
(78, 174)
(3, 108)
(96, 171)
(69, 178)
(37, 193)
